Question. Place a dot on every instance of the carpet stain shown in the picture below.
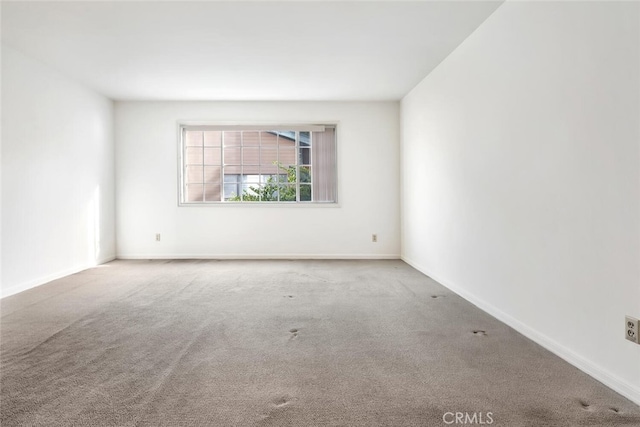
(282, 401)
(586, 406)
(616, 410)
(437, 296)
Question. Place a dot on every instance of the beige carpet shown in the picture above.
(277, 343)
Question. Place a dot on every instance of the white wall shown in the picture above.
(147, 186)
(57, 175)
(521, 170)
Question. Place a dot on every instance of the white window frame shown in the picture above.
(253, 126)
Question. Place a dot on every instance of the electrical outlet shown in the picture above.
(632, 329)
(374, 238)
(157, 237)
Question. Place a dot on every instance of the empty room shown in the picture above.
(320, 213)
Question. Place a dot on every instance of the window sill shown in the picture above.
(269, 205)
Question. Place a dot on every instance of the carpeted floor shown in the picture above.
(278, 343)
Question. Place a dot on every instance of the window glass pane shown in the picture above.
(287, 173)
(287, 155)
(266, 178)
(287, 193)
(268, 139)
(232, 170)
(269, 193)
(304, 156)
(250, 139)
(304, 174)
(269, 155)
(286, 137)
(232, 139)
(251, 155)
(212, 193)
(305, 192)
(231, 177)
(193, 138)
(212, 156)
(193, 174)
(232, 155)
(250, 189)
(231, 190)
(212, 174)
(251, 169)
(194, 193)
(251, 179)
(286, 178)
(286, 143)
(305, 139)
(268, 169)
(212, 138)
(193, 155)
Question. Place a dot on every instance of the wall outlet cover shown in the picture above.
(632, 329)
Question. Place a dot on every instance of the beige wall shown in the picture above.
(147, 176)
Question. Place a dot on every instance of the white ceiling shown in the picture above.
(243, 50)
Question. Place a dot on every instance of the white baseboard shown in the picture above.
(612, 381)
(258, 256)
(50, 277)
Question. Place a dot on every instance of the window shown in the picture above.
(252, 164)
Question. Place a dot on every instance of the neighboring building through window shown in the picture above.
(253, 164)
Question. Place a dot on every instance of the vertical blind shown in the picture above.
(323, 165)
